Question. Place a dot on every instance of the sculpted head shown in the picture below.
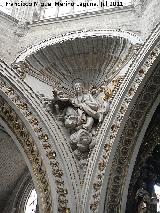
(78, 87)
(85, 137)
(70, 118)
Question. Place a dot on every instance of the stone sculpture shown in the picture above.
(81, 112)
(143, 198)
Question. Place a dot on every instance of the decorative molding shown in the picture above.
(82, 15)
(45, 127)
(116, 123)
(128, 140)
(26, 141)
(18, 127)
(134, 39)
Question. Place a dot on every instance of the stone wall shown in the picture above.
(15, 37)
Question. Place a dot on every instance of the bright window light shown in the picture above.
(31, 202)
(157, 191)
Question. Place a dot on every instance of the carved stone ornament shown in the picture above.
(8, 115)
(84, 79)
(27, 142)
(121, 158)
(81, 112)
(128, 140)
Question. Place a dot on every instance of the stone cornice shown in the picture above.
(85, 15)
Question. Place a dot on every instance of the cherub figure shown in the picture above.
(88, 107)
(80, 142)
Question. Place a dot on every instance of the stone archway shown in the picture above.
(146, 167)
(11, 121)
(109, 173)
(36, 144)
(122, 165)
(110, 37)
(122, 159)
(97, 168)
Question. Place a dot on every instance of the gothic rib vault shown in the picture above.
(118, 75)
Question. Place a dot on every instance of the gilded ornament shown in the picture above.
(28, 113)
(59, 182)
(131, 91)
(46, 146)
(51, 154)
(56, 164)
(17, 125)
(141, 71)
(9, 91)
(61, 190)
(94, 206)
(58, 173)
(62, 200)
(122, 109)
(114, 127)
(33, 121)
(38, 129)
(101, 165)
(68, 210)
(107, 147)
(22, 106)
(97, 185)
(43, 137)
(107, 94)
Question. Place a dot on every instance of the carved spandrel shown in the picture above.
(81, 111)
